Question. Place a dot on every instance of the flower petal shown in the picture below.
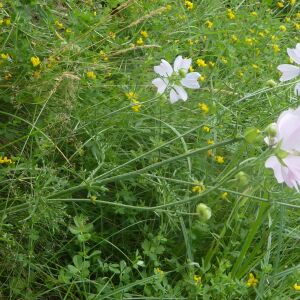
(174, 97)
(177, 63)
(273, 163)
(164, 69)
(161, 84)
(181, 92)
(297, 89)
(288, 72)
(191, 80)
(182, 63)
(294, 54)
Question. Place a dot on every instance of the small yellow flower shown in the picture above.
(219, 159)
(210, 142)
(211, 64)
(1, 5)
(201, 62)
(159, 271)
(252, 281)
(234, 38)
(131, 96)
(230, 14)
(297, 26)
(35, 61)
(7, 21)
(189, 5)
(261, 34)
(144, 34)
(292, 2)
(5, 160)
(91, 75)
(112, 35)
(190, 42)
(203, 107)
(197, 279)
(209, 24)
(209, 153)
(103, 55)
(296, 287)
(58, 24)
(191, 69)
(249, 41)
(282, 28)
(280, 4)
(274, 38)
(276, 48)
(298, 15)
(202, 78)
(224, 196)
(254, 66)
(68, 30)
(241, 74)
(206, 129)
(140, 41)
(198, 188)
(253, 14)
(224, 60)
(5, 56)
(136, 105)
(287, 19)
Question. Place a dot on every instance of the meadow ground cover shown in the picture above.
(149, 149)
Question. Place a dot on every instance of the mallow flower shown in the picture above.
(284, 138)
(290, 71)
(174, 79)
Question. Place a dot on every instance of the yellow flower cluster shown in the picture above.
(209, 24)
(252, 281)
(5, 160)
(204, 107)
(189, 5)
(91, 75)
(230, 14)
(35, 61)
(136, 105)
(103, 55)
(197, 279)
(198, 187)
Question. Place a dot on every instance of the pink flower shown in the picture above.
(176, 78)
(290, 71)
(286, 143)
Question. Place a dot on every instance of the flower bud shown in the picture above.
(252, 135)
(271, 130)
(203, 211)
(242, 178)
(271, 83)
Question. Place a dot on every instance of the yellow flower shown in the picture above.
(197, 279)
(5, 56)
(189, 5)
(68, 30)
(230, 14)
(282, 28)
(292, 2)
(131, 96)
(209, 153)
(199, 187)
(234, 38)
(5, 160)
(202, 78)
(224, 60)
(7, 22)
(298, 15)
(91, 75)
(206, 129)
(201, 62)
(144, 34)
(204, 107)
(296, 287)
(191, 69)
(276, 48)
(210, 142)
(254, 66)
(253, 13)
(249, 41)
(209, 24)
(190, 42)
(224, 196)
(140, 42)
(252, 281)
(280, 4)
(274, 38)
(219, 159)
(241, 73)
(1, 5)
(35, 61)
(261, 34)
(136, 106)
(211, 64)
(159, 271)
(58, 24)
(287, 19)
(103, 55)
(297, 26)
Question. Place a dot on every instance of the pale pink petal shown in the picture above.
(181, 92)
(161, 84)
(288, 72)
(294, 54)
(174, 97)
(191, 80)
(273, 163)
(166, 67)
(182, 64)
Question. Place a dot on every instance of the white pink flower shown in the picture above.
(290, 71)
(286, 143)
(174, 79)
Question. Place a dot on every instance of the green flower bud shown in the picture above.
(182, 73)
(242, 178)
(271, 130)
(271, 83)
(203, 211)
(252, 135)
